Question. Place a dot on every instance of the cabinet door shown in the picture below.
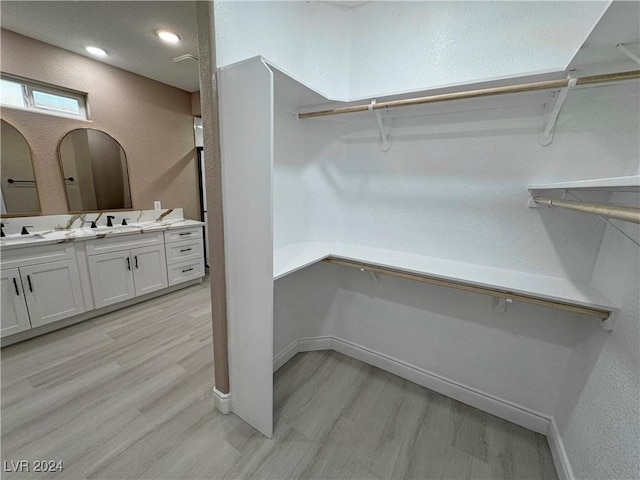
(15, 317)
(111, 278)
(52, 291)
(149, 269)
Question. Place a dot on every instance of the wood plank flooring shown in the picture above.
(128, 395)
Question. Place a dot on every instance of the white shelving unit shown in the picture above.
(295, 257)
(279, 169)
(614, 184)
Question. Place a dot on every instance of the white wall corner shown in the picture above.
(301, 345)
(222, 401)
(559, 454)
(285, 355)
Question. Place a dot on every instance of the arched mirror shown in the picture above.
(94, 167)
(19, 189)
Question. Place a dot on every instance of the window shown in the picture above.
(40, 98)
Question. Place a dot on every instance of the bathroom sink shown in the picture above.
(143, 224)
(19, 238)
(103, 230)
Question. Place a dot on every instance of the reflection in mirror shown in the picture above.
(19, 189)
(94, 167)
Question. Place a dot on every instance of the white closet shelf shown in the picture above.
(297, 256)
(630, 183)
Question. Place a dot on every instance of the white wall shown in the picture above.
(598, 410)
(519, 356)
(309, 40)
(388, 47)
(404, 46)
(303, 305)
(306, 204)
(454, 182)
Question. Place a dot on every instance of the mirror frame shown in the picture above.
(66, 193)
(25, 214)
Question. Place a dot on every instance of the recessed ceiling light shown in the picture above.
(168, 36)
(98, 52)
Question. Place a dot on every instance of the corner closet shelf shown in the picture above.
(619, 184)
(552, 291)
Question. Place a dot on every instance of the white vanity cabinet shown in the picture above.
(15, 317)
(40, 285)
(126, 266)
(185, 254)
(68, 274)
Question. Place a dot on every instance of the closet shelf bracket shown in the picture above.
(500, 304)
(383, 126)
(628, 52)
(554, 105)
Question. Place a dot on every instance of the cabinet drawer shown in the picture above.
(123, 242)
(189, 250)
(182, 234)
(183, 272)
(20, 257)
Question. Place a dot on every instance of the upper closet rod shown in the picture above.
(628, 214)
(525, 87)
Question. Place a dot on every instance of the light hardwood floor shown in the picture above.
(128, 395)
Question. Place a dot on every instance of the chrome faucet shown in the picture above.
(109, 220)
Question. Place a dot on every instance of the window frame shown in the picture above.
(30, 86)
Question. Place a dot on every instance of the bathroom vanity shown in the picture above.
(63, 271)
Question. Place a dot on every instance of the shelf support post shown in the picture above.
(556, 100)
(384, 128)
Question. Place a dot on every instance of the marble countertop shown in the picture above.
(45, 237)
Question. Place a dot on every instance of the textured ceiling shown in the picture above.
(126, 30)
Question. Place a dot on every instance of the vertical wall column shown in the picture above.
(246, 121)
(213, 178)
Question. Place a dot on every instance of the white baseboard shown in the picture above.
(560, 458)
(222, 401)
(285, 355)
(301, 345)
(488, 403)
(476, 398)
(315, 343)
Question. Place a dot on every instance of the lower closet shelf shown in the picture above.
(537, 289)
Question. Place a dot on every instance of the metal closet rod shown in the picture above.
(493, 292)
(485, 92)
(627, 214)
